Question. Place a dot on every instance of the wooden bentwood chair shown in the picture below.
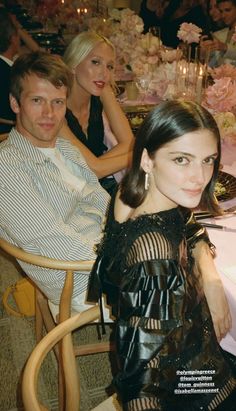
(44, 318)
(30, 376)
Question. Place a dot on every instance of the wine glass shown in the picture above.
(142, 83)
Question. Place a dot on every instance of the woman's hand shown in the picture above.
(212, 45)
(213, 289)
(218, 306)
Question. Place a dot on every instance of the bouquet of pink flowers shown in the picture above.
(189, 33)
(225, 70)
(221, 96)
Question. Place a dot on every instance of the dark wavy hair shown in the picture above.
(168, 121)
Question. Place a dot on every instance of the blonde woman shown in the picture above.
(93, 114)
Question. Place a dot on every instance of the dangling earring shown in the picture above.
(146, 183)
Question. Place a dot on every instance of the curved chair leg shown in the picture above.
(38, 319)
(61, 381)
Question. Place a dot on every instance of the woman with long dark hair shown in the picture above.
(155, 267)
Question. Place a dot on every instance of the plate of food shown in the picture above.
(225, 188)
(136, 115)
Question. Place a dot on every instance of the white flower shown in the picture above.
(189, 33)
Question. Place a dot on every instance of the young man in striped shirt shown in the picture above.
(51, 203)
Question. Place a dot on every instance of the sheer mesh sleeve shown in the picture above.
(149, 246)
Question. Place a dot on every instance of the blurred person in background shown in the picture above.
(222, 47)
(11, 35)
(9, 47)
(169, 15)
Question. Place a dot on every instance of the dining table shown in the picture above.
(224, 239)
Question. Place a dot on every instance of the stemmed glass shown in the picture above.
(142, 83)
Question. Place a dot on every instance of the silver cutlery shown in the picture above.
(200, 215)
(219, 227)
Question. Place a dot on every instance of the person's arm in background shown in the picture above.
(118, 123)
(217, 44)
(28, 41)
(229, 49)
(118, 157)
(101, 166)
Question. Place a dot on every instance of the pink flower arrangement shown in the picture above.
(227, 126)
(221, 96)
(169, 56)
(225, 70)
(189, 33)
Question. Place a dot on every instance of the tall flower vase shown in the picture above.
(187, 51)
(183, 71)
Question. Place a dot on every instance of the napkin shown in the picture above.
(230, 272)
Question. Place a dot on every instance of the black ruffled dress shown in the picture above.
(167, 353)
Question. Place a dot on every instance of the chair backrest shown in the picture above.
(68, 266)
(31, 371)
(3, 136)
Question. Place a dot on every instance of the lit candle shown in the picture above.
(78, 11)
(183, 78)
(62, 1)
(199, 86)
(85, 11)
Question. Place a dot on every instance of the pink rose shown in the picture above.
(225, 70)
(221, 96)
(189, 33)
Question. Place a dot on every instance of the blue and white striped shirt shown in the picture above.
(43, 215)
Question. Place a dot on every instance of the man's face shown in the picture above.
(41, 111)
(228, 12)
(214, 11)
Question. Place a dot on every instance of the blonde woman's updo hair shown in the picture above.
(81, 46)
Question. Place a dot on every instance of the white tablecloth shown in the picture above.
(225, 243)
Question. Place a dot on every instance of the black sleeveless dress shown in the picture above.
(94, 140)
(167, 353)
